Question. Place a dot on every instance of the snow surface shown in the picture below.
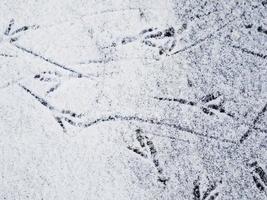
(133, 100)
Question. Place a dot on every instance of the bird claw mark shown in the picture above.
(248, 25)
(8, 55)
(157, 35)
(25, 28)
(198, 16)
(258, 170)
(196, 189)
(212, 187)
(48, 76)
(72, 114)
(98, 61)
(147, 144)
(55, 111)
(154, 156)
(59, 121)
(207, 194)
(164, 40)
(245, 50)
(210, 97)
(8, 29)
(163, 180)
(206, 109)
(262, 30)
(173, 44)
(169, 32)
(140, 138)
(149, 43)
(258, 183)
(53, 89)
(137, 151)
(262, 175)
(181, 101)
(14, 39)
(252, 126)
(41, 100)
(259, 176)
(12, 35)
(127, 40)
(155, 39)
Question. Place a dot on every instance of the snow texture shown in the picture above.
(133, 100)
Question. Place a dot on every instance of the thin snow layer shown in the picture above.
(131, 99)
